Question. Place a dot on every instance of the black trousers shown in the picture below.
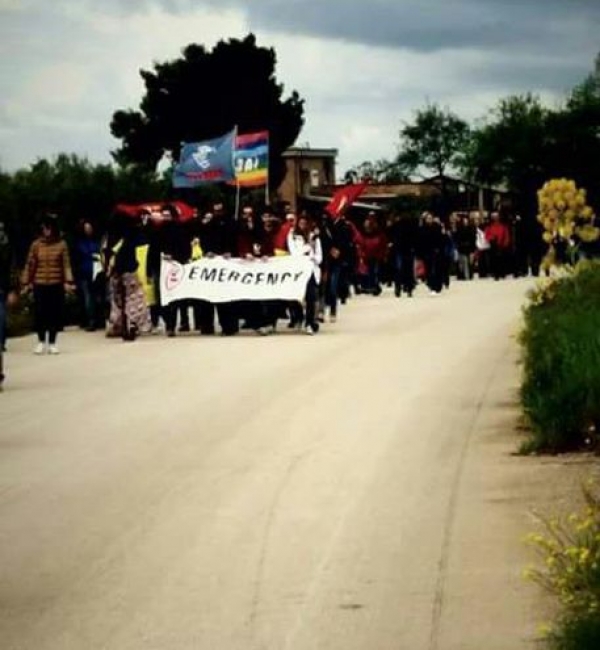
(49, 301)
(308, 314)
(498, 263)
(228, 318)
(434, 270)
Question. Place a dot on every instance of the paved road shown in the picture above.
(351, 491)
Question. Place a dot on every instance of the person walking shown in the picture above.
(498, 236)
(404, 241)
(129, 314)
(465, 240)
(89, 278)
(374, 248)
(482, 245)
(432, 245)
(303, 241)
(339, 254)
(47, 274)
(218, 237)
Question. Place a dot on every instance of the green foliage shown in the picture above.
(521, 144)
(569, 551)
(578, 634)
(510, 148)
(206, 93)
(380, 171)
(74, 189)
(561, 350)
(433, 141)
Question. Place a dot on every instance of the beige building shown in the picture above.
(307, 171)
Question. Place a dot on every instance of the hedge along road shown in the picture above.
(351, 490)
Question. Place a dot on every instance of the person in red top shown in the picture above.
(498, 236)
(373, 250)
(281, 235)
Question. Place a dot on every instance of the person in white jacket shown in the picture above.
(302, 240)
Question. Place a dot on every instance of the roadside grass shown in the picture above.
(569, 569)
(560, 393)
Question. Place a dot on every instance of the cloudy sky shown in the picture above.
(363, 66)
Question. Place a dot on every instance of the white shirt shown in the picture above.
(297, 246)
(482, 243)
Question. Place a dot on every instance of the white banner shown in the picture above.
(221, 280)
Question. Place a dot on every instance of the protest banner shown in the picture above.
(221, 280)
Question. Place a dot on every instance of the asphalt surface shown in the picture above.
(355, 490)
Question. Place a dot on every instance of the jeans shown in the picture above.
(464, 266)
(404, 273)
(92, 297)
(333, 283)
(373, 284)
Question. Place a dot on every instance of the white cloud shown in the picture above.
(66, 67)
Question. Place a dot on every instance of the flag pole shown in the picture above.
(268, 184)
(237, 199)
(237, 180)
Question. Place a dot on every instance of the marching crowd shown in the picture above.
(116, 276)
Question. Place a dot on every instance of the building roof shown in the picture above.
(327, 199)
(308, 152)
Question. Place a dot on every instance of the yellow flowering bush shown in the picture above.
(569, 550)
(565, 216)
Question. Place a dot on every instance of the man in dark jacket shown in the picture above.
(173, 243)
(218, 237)
(404, 240)
(339, 255)
(432, 248)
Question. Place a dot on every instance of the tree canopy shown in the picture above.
(433, 142)
(73, 188)
(379, 171)
(204, 94)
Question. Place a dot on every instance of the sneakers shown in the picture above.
(40, 349)
(333, 319)
(309, 330)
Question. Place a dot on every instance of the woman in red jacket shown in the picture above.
(498, 236)
(374, 249)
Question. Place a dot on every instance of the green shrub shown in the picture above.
(579, 634)
(561, 355)
(570, 571)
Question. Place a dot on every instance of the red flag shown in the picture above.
(344, 198)
(184, 211)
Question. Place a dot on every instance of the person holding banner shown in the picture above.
(218, 237)
(303, 241)
(255, 244)
(174, 244)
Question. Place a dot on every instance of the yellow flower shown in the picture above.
(587, 212)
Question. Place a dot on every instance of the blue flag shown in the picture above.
(209, 161)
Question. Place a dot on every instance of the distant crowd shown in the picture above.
(116, 274)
